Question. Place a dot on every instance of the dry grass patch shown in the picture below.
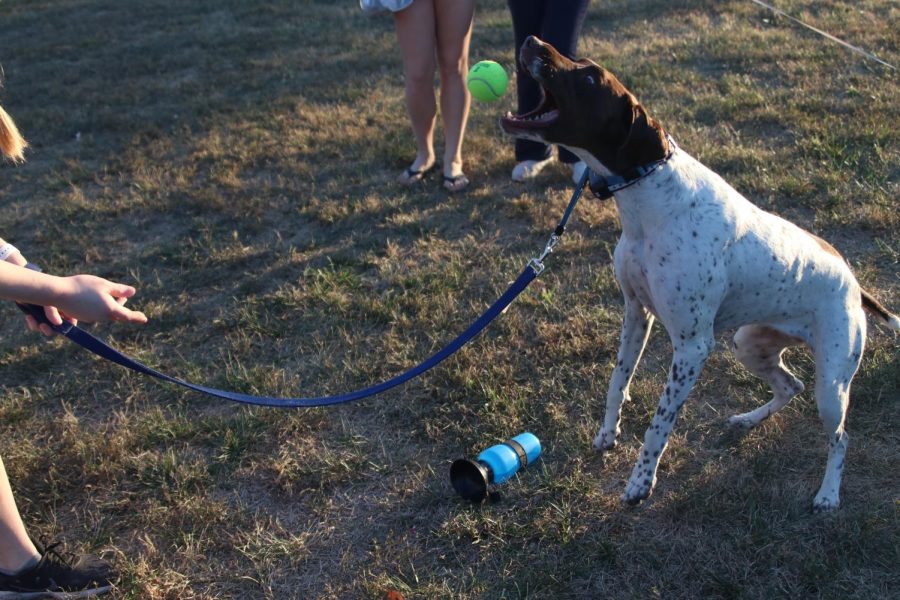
(236, 162)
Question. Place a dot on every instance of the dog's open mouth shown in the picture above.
(541, 117)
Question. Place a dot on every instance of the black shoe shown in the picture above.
(59, 576)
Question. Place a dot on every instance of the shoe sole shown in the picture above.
(55, 595)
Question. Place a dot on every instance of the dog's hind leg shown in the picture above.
(838, 351)
(759, 348)
(635, 332)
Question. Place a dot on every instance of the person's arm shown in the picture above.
(84, 297)
(13, 255)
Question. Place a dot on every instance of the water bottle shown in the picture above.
(471, 478)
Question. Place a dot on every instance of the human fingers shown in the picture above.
(120, 313)
(52, 315)
(45, 329)
(120, 290)
(68, 318)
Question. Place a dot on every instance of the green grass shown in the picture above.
(235, 161)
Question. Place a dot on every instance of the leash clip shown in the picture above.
(537, 266)
(551, 244)
(538, 263)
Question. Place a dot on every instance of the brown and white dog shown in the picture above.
(701, 258)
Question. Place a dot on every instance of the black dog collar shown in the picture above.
(604, 188)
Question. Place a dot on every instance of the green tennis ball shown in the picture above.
(487, 81)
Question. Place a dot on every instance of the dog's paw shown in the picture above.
(605, 441)
(825, 503)
(638, 490)
(741, 423)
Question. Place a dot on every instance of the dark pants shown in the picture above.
(559, 23)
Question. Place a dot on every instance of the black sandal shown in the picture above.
(457, 183)
(416, 175)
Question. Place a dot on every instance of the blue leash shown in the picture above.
(534, 268)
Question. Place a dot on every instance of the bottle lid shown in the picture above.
(470, 479)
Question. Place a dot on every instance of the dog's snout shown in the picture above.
(533, 42)
(529, 55)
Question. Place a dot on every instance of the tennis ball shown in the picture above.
(487, 81)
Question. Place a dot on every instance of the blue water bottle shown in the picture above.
(471, 478)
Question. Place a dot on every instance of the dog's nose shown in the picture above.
(532, 41)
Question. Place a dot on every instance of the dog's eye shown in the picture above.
(589, 79)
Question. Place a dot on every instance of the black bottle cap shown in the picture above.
(470, 479)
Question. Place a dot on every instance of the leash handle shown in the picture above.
(38, 314)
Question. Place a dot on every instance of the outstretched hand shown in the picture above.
(88, 298)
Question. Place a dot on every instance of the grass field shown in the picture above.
(235, 160)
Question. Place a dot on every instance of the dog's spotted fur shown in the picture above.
(701, 258)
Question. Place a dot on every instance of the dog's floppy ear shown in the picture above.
(644, 143)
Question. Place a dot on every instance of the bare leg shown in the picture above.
(16, 549)
(635, 331)
(416, 36)
(454, 30)
(759, 348)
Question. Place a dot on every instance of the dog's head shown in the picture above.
(587, 110)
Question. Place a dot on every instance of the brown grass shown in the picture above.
(235, 161)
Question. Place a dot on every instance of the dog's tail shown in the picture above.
(873, 307)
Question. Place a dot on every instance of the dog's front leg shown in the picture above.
(687, 360)
(635, 332)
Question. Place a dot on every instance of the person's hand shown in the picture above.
(90, 299)
(52, 314)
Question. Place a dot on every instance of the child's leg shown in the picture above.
(454, 29)
(415, 28)
(16, 549)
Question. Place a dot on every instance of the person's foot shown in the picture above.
(456, 183)
(59, 575)
(417, 171)
(578, 169)
(454, 178)
(529, 169)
